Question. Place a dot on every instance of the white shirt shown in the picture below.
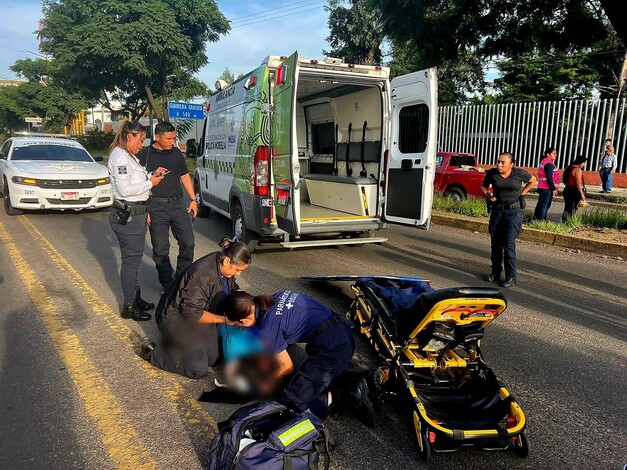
(129, 179)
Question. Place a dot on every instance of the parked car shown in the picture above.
(51, 173)
(457, 175)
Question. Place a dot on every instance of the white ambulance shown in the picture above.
(319, 152)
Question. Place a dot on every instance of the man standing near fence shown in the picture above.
(609, 162)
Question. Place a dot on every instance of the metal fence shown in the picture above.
(576, 127)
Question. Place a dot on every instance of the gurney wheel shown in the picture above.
(425, 452)
(521, 445)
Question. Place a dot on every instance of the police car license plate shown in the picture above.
(73, 196)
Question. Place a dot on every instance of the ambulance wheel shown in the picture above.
(521, 445)
(455, 194)
(8, 208)
(203, 211)
(239, 228)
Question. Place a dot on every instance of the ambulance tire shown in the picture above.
(203, 211)
(239, 228)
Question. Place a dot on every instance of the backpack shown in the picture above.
(271, 436)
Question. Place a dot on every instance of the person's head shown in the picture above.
(165, 136)
(505, 163)
(240, 307)
(609, 150)
(235, 257)
(550, 152)
(130, 137)
(580, 162)
(250, 373)
(608, 142)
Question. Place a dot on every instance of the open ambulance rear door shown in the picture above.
(410, 165)
(285, 168)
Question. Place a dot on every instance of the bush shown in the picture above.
(610, 218)
(472, 206)
(96, 140)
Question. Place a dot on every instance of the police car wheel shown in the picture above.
(8, 208)
(239, 228)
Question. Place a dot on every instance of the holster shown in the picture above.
(122, 212)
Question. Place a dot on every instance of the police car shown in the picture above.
(51, 173)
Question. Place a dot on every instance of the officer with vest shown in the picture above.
(131, 189)
(547, 186)
(509, 185)
(168, 209)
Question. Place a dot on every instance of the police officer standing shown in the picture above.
(509, 185)
(131, 189)
(168, 209)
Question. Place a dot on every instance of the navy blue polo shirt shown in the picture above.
(292, 319)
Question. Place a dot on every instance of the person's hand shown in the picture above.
(148, 219)
(555, 192)
(161, 171)
(155, 179)
(193, 208)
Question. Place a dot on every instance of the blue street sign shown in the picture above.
(180, 110)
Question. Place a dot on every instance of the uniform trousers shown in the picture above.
(190, 360)
(328, 354)
(163, 217)
(504, 227)
(132, 239)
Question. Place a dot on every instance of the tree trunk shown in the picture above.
(153, 103)
(164, 94)
(614, 12)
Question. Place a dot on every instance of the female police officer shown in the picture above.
(131, 189)
(186, 314)
(287, 318)
(506, 215)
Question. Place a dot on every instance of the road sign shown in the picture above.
(181, 110)
(33, 120)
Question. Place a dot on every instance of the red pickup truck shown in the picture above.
(457, 176)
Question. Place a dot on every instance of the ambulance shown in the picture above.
(319, 152)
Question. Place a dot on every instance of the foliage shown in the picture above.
(227, 76)
(356, 32)
(474, 207)
(139, 50)
(96, 140)
(609, 218)
(40, 96)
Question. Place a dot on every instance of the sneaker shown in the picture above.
(492, 277)
(511, 282)
(147, 349)
(359, 402)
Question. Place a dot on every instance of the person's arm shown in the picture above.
(614, 163)
(285, 366)
(579, 181)
(529, 186)
(548, 171)
(186, 181)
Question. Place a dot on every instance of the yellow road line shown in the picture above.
(191, 412)
(120, 438)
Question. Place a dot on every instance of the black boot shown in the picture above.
(352, 395)
(140, 304)
(129, 312)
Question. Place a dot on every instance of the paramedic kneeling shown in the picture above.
(510, 184)
(287, 318)
(186, 313)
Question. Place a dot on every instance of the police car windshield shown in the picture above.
(57, 153)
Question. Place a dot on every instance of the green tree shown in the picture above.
(39, 96)
(139, 51)
(356, 32)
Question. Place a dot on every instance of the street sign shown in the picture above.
(181, 110)
(33, 120)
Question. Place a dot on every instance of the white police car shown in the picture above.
(51, 173)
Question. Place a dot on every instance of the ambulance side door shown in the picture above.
(285, 168)
(410, 166)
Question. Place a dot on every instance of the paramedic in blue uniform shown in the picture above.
(186, 314)
(131, 185)
(509, 185)
(289, 317)
(168, 208)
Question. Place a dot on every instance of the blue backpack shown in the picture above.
(271, 436)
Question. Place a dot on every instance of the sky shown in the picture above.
(258, 29)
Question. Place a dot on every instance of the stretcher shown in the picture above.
(428, 345)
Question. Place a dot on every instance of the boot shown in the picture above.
(129, 312)
(352, 395)
(140, 304)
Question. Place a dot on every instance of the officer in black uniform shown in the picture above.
(289, 317)
(131, 189)
(168, 209)
(509, 185)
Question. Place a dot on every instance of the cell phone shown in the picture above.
(165, 172)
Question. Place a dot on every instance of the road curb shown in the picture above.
(538, 236)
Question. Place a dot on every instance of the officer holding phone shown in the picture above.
(168, 207)
(131, 189)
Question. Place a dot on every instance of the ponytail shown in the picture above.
(237, 252)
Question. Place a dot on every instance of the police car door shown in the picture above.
(410, 165)
(285, 167)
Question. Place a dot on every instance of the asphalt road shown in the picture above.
(74, 393)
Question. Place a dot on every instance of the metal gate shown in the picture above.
(576, 127)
